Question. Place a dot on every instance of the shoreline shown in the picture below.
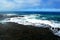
(12, 31)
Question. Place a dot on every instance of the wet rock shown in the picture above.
(14, 31)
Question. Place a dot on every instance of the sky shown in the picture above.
(29, 5)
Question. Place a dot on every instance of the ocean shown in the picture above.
(38, 19)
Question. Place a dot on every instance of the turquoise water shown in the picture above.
(49, 17)
(37, 19)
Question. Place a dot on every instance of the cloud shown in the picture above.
(5, 5)
(18, 4)
(10, 5)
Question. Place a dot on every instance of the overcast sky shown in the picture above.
(29, 5)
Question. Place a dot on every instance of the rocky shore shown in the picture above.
(14, 31)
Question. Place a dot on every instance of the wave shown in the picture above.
(34, 20)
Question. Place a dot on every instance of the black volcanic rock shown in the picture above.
(14, 31)
(3, 16)
(14, 16)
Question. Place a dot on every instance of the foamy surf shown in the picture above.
(32, 20)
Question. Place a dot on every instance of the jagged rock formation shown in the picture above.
(14, 31)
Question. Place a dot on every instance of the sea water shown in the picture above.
(34, 18)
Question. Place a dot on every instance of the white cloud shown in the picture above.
(28, 4)
(18, 4)
(4, 5)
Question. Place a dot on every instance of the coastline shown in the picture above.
(12, 31)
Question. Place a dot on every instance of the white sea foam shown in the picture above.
(9, 14)
(31, 20)
(57, 33)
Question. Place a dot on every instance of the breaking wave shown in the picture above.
(37, 20)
